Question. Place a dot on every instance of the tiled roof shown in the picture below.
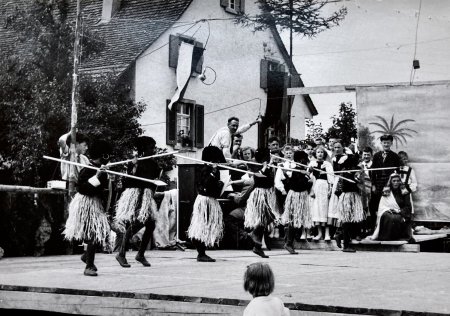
(134, 27)
(131, 30)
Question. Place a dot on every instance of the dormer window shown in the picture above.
(233, 6)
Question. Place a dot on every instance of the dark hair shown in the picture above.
(259, 279)
(80, 138)
(368, 150)
(325, 153)
(273, 138)
(402, 153)
(387, 137)
(143, 142)
(238, 136)
(301, 157)
(213, 154)
(233, 118)
(99, 148)
(262, 154)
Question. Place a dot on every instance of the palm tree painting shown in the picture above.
(398, 130)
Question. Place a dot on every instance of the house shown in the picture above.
(235, 71)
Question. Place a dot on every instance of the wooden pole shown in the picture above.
(74, 114)
(155, 182)
(212, 163)
(142, 158)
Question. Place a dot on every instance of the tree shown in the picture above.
(398, 130)
(305, 18)
(313, 130)
(344, 124)
(36, 90)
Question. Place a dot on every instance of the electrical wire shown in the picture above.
(413, 71)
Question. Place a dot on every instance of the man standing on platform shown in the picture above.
(222, 138)
(382, 159)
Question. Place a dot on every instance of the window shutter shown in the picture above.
(197, 58)
(240, 6)
(174, 45)
(281, 68)
(199, 125)
(171, 124)
(224, 3)
(264, 68)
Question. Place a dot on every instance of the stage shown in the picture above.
(310, 283)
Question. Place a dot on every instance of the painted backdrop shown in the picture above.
(419, 119)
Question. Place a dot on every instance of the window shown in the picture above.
(185, 124)
(197, 55)
(233, 6)
(266, 66)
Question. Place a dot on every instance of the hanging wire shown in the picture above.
(413, 71)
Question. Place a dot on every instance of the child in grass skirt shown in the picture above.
(262, 207)
(206, 228)
(136, 206)
(297, 213)
(349, 207)
(87, 219)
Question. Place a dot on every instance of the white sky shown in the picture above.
(374, 44)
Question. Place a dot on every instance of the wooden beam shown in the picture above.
(353, 87)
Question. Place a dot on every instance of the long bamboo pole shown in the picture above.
(211, 163)
(300, 164)
(369, 169)
(141, 158)
(155, 182)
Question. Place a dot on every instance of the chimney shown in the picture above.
(110, 7)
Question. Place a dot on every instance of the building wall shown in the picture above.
(234, 52)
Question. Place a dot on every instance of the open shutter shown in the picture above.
(264, 69)
(197, 58)
(199, 125)
(171, 124)
(174, 45)
(241, 8)
(281, 68)
(224, 3)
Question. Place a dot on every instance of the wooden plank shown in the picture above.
(422, 238)
(350, 88)
(26, 189)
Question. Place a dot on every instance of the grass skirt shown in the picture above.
(206, 221)
(87, 219)
(262, 208)
(319, 204)
(133, 206)
(296, 210)
(350, 208)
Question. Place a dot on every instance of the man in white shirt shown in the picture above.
(81, 146)
(222, 138)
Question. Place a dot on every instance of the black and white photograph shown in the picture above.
(225, 157)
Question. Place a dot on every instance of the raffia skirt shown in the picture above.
(319, 204)
(87, 220)
(135, 204)
(262, 208)
(296, 210)
(206, 221)
(350, 208)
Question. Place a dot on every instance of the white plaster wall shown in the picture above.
(234, 52)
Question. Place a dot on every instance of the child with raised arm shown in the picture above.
(259, 281)
(206, 228)
(297, 213)
(87, 219)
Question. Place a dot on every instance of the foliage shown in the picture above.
(35, 97)
(365, 139)
(307, 18)
(313, 130)
(397, 129)
(344, 124)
